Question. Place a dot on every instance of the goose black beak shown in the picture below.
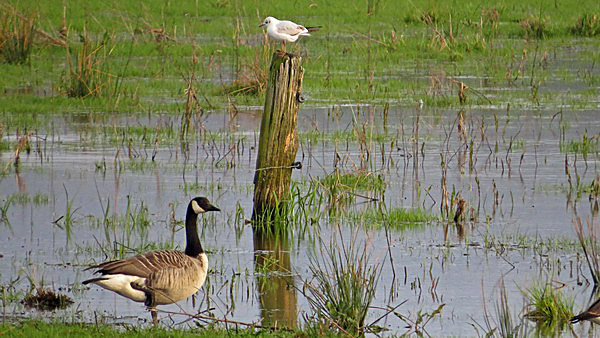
(212, 208)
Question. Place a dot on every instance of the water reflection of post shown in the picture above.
(275, 283)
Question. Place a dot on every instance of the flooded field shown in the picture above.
(75, 200)
(446, 164)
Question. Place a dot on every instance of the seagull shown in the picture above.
(286, 30)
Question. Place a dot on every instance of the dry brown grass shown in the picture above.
(16, 36)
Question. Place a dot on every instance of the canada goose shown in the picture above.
(592, 314)
(163, 276)
(286, 30)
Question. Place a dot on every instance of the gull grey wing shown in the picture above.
(288, 27)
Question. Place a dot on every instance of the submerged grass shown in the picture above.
(396, 218)
(587, 145)
(360, 180)
(502, 322)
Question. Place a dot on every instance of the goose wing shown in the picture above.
(290, 28)
(143, 265)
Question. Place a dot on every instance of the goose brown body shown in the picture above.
(163, 276)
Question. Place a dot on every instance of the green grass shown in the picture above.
(548, 306)
(58, 330)
(390, 54)
(587, 145)
(364, 181)
(396, 218)
(343, 287)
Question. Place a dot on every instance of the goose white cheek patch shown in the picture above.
(197, 208)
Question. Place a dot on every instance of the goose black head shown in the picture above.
(201, 205)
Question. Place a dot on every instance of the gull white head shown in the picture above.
(268, 21)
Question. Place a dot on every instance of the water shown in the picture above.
(521, 202)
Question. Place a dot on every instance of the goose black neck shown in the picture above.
(193, 246)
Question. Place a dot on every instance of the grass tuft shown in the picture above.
(549, 307)
(86, 71)
(16, 37)
(342, 289)
(587, 145)
(396, 218)
(503, 322)
(360, 180)
(587, 25)
(535, 27)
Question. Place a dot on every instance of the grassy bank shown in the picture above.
(143, 58)
(42, 329)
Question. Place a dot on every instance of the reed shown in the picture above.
(87, 73)
(16, 36)
(502, 322)
(536, 27)
(588, 25)
(4, 209)
(588, 240)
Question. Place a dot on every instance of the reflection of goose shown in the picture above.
(163, 276)
(592, 314)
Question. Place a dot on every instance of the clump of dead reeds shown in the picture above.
(86, 72)
(251, 80)
(535, 27)
(16, 36)
(587, 25)
(250, 77)
(588, 239)
(342, 288)
(46, 300)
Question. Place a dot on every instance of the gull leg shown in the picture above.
(284, 46)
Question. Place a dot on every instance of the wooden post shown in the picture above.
(278, 143)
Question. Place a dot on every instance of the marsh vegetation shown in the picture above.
(449, 177)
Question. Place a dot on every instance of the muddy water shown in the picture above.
(519, 195)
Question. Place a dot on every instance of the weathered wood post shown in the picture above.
(278, 143)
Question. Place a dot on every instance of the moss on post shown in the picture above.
(278, 143)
